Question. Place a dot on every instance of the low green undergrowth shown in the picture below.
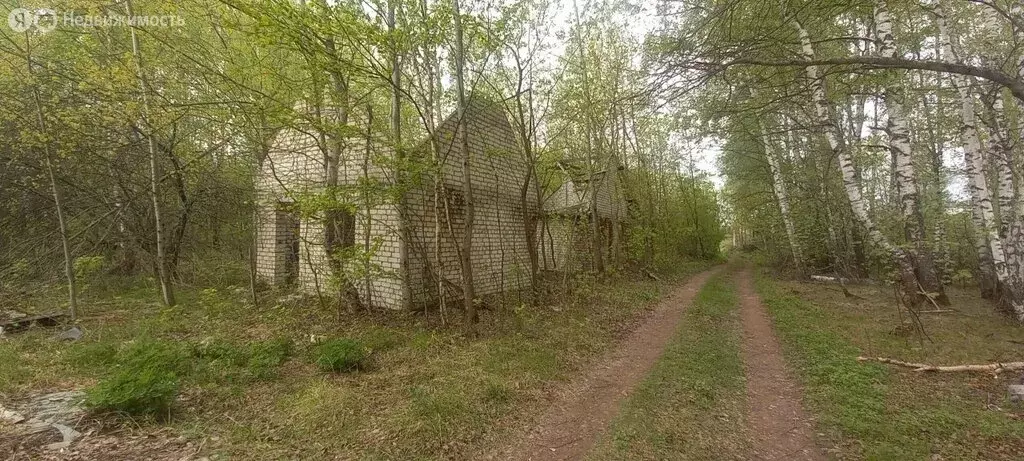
(691, 405)
(869, 411)
(431, 393)
(144, 377)
(341, 355)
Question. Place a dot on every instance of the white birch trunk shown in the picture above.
(851, 183)
(1017, 12)
(898, 129)
(1001, 155)
(1011, 229)
(779, 185)
(980, 198)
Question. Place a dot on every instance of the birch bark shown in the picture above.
(779, 186)
(851, 184)
(981, 201)
(166, 285)
(898, 130)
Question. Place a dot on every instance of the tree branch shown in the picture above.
(1015, 85)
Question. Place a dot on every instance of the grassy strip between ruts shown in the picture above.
(692, 404)
(871, 412)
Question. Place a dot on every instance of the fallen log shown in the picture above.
(651, 275)
(995, 368)
(24, 322)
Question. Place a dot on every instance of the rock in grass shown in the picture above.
(1017, 392)
(74, 334)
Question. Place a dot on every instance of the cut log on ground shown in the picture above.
(22, 323)
(651, 275)
(989, 367)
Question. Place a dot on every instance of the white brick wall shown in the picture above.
(566, 233)
(500, 255)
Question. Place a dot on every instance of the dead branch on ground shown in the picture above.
(995, 368)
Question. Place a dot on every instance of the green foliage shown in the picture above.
(87, 266)
(93, 355)
(257, 361)
(341, 355)
(145, 380)
(267, 356)
(144, 377)
(148, 391)
(19, 271)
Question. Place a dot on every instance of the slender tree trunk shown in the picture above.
(1017, 227)
(1010, 225)
(432, 115)
(58, 196)
(834, 135)
(261, 156)
(404, 234)
(468, 290)
(942, 257)
(531, 214)
(592, 157)
(980, 198)
(339, 224)
(782, 198)
(368, 212)
(166, 287)
(905, 171)
(987, 281)
(1017, 11)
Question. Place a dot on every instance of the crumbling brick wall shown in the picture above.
(566, 234)
(500, 256)
(294, 168)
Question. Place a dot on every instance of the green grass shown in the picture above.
(341, 355)
(429, 394)
(691, 406)
(872, 411)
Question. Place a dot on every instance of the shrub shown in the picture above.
(87, 266)
(266, 356)
(223, 353)
(145, 380)
(150, 391)
(341, 355)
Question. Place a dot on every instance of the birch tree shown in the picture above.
(981, 201)
(55, 189)
(782, 197)
(851, 184)
(898, 130)
(163, 272)
(468, 290)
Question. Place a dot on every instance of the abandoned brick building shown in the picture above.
(290, 246)
(566, 235)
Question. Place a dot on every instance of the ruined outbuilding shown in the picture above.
(290, 242)
(566, 235)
